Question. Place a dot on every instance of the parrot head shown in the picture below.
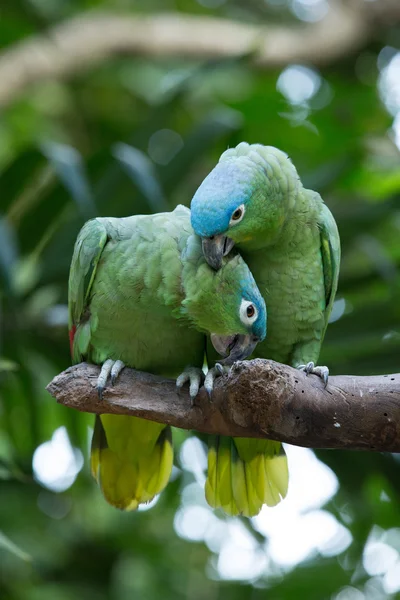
(244, 200)
(229, 306)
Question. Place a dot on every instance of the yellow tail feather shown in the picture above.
(244, 474)
(95, 449)
(224, 493)
(211, 482)
(277, 470)
(131, 459)
(256, 500)
(239, 483)
(163, 456)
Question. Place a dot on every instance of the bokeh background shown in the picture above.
(92, 123)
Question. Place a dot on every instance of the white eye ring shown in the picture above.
(237, 215)
(247, 308)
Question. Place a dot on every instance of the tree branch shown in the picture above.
(258, 398)
(85, 41)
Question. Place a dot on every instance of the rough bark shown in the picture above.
(258, 398)
(85, 41)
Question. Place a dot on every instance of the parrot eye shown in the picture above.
(248, 312)
(237, 215)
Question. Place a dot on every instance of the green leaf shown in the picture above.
(7, 544)
(7, 365)
(8, 254)
(141, 170)
(68, 164)
(17, 178)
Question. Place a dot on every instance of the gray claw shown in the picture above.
(209, 388)
(193, 375)
(310, 368)
(209, 380)
(116, 370)
(212, 375)
(109, 368)
(322, 372)
(219, 368)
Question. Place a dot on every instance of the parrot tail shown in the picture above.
(244, 474)
(131, 459)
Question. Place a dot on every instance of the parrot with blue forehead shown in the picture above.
(142, 295)
(253, 199)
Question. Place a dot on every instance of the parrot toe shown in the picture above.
(212, 375)
(308, 368)
(116, 370)
(193, 375)
(109, 367)
(322, 372)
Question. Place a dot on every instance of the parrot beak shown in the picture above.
(234, 347)
(215, 248)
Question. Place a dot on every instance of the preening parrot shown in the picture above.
(142, 295)
(288, 237)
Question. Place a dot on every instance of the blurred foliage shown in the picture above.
(136, 136)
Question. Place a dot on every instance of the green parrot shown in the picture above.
(142, 295)
(288, 237)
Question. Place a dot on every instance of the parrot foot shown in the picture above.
(322, 372)
(212, 375)
(195, 376)
(109, 367)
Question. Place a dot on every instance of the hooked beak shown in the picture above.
(215, 248)
(234, 347)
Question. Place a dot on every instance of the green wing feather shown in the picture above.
(330, 251)
(87, 252)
